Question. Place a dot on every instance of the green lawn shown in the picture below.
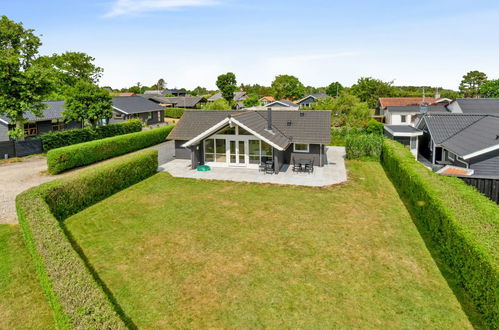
(22, 305)
(185, 253)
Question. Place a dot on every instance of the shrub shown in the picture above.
(462, 224)
(174, 112)
(374, 127)
(363, 146)
(53, 140)
(64, 158)
(338, 135)
(76, 298)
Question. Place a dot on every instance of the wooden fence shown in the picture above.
(487, 186)
(9, 149)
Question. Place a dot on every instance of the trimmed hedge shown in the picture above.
(363, 146)
(174, 112)
(78, 301)
(65, 158)
(53, 140)
(462, 224)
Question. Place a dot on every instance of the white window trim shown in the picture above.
(304, 151)
(451, 155)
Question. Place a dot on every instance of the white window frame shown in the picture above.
(452, 156)
(304, 151)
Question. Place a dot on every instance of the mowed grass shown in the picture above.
(186, 253)
(22, 304)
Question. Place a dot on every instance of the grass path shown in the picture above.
(185, 253)
(22, 304)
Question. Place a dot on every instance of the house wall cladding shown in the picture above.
(488, 187)
(20, 148)
(7, 149)
(180, 152)
(4, 130)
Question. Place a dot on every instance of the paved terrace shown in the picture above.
(332, 173)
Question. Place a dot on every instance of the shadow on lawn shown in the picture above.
(127, 320)
(464, 300)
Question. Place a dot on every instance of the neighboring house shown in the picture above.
(126, 94)
(283, 104)
(466, 142)
(174, 92)
(248, 138)
(128, 107)
(405, 134)
(409, 115)
(266, 100)
(470, 106)
(238, 96)
(307, 101)
(51, 120)
(188, 102)
(385, 102)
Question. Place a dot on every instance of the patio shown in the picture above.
(332, 173)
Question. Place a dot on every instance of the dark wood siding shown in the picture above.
(487, 164)
(488, 187)
(314, 153)
(181, 153)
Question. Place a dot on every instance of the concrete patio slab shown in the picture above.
(332, 173)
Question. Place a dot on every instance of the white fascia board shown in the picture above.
(122, 111)
(206, 133)
(402, 134)
(3, 121)
(481, 152)
(256, 134)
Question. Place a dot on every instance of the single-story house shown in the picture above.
(385, 102)
(51, 120)
(405, 134)
(409, 114)
(249, 138)
(238, 96)
(307, 101)
(129, 107)
(283, 104)
(266, 100)
(463, 141)
(477, 106)
(174, 92)
(186, 102)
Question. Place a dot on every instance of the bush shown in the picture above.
(339, 135)
(174, 112)
(53, 140)
(76, 298)
(374, 127)
(363, 146)
(65, 158)
(462, 224)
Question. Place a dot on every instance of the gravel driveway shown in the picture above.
(18, 177)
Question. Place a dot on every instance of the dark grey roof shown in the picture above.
(482, 106)
(463, 134)
(177, 101)
(135, 104)
(238, 96)
(311, 127)
(417, 108)
(402, 129)
(53, 110)
(280, 103)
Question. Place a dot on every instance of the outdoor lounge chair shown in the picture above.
(296, 167)
(310, 166)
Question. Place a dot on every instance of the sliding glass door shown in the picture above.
(237, 153)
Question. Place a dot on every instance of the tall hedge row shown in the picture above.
(174, 112)
(53, 140)
(65, 158)
(77, 299)
(462, 224)
(363, 146)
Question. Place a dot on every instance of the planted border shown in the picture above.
(462, 223)
(61, 159)
(77, 299)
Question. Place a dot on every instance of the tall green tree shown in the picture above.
(334, 89)
(288, 87)
(227, 85)
(346, 110)
(471, 83)
(489, 88)
(87, 102)
(23, 85)
(369, 90)
(220, 104)
(251, 101)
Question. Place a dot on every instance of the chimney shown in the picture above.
(269, 119)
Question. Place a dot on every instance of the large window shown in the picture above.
(215, 150)
(300, 147)
(30, 129)
(259, 151)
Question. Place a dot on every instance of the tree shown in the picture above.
(288, 87)
(489, 88)
(220, 104)
(346, 109)
(227, 85)
(251, 101)
(369, 90)
(23, 85)
(471, 83)
(161, 84)
(334, 89)
(87, 102)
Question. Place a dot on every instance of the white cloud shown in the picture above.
(128, 7)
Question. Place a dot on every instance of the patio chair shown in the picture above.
(296, 167)
(310, 166)
(269, 167)
(261, 167)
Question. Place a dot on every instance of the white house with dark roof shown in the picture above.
(250, 138)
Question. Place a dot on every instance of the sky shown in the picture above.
(190, 42)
